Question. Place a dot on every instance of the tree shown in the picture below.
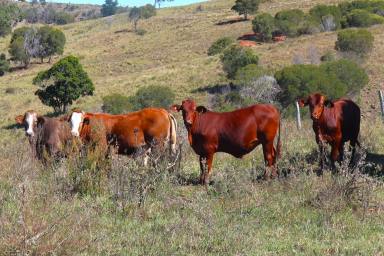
(245, 7)
(328, 16)
(236, 57)
(109, 8)
(264, 24)
(18, 52)
(220, 45)
(357, 41)
(143, 12)
(116, 104)
(4, 64)
(10, 14)
(158, 2)
(289, 22)
(152, 96)
(63, 83)
(52, 41)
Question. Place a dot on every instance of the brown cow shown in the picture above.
(45, 134)
(130, 132)
(336, 124)
(236, 133)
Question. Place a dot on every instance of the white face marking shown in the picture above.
(76, 120)
(30, 119)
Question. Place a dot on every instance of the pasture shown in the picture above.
(86, 206)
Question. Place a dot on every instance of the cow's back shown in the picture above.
(349, 118)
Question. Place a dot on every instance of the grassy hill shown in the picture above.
(237, 215)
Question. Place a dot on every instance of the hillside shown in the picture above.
(89, 204)
(172, 53)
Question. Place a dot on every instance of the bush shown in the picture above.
(220, 45)
(10, 14)
(363, 18)
(63, 83)
(18, 52)
(348, 72)
(328, 56)
(153, 96)
(289, 22)
(236, 57)
(264, 24)
(359, 42)
(334, 79)
(62, 18)
(375, 6)
(328, 16)
(116, 104)
(141, 31)
(245, 7)
(245, 75)
(52, 41)
(4, 64)
(263, 89)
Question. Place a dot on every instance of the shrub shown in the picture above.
(264, 24)
(289, 22)
(63, 83)
(236, 57)
(245, 75)
(348, 72)
(359, 42)
(4, 64)
(52, 41)
(328, 56)
(153, 96)
(143, 12)
(116, 104)
(245, 7)
(62, 18)
(18, 52)
(263, 89)
(220, 45)
(109, 8)
(141, 31)
(363, 18)
(328, 16)
(10, 14)
(375, 6)
(311, 26)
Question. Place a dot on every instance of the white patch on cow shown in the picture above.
(76, 120)
(30, 119)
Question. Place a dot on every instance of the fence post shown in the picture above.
(381, 103)
(298, 117)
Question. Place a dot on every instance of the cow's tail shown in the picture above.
(172, 133)
(278, 145)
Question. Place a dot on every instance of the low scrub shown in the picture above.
(220, 45)
(358, 42)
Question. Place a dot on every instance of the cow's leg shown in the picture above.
(205, 168)
(335, 153)
(268, 152)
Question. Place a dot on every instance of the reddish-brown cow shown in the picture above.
(236, 133)
(336, 124)
(141, 129)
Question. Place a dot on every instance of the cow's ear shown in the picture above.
(328, 103)
(176, 107)
(40, 120)
(302, 102)
(201, 109)
(86, 120)
(19, 119)
(65, 118)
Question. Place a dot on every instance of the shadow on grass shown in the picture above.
(228, 22)
(217, 89)
(124, 31)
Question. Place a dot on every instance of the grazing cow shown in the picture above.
(236, 133)
(334, 124)
(45, 134)
(130, 132)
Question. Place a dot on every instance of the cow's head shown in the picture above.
(189, 110)
(316, 103)
(29, 121)
(76, 119)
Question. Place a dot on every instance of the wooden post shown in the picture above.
(381, 97)
(298, 117)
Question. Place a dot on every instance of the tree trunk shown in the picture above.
(41, 60)
(135, 25)
(49, 60)
(245, 16)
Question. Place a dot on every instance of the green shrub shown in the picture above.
(348, 72)
(153, 96)
(62, 18)
(311, 26)
(236, 57)
(264, 24)
(4, 64)
(328, 16)
(328, 56)
(374, 6)
(116, 104)
(220, 45)
(359, 42)
(363, 18)
(289, 22)
(245, 75)
(141, 31)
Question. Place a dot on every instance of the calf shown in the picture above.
(45, 134)
(129, 132)
(236, 133)
(334, 124)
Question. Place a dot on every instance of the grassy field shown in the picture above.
(138, 211)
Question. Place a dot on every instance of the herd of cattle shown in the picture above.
(236, 133)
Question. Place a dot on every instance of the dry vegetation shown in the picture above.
(136, 211)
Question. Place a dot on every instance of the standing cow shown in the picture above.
(236, 133)
(45, 134)
(130, 132)
(334, 124)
